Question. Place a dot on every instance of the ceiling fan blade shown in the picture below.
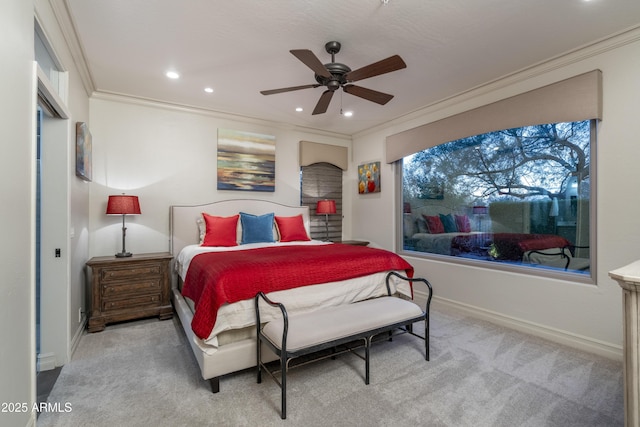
(368, 94)
(309, 59)
(393, 63)
(287, 89)
(323, 102)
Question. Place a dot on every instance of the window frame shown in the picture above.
(505, 267)
(332, 180)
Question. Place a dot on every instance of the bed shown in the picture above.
(215, 305)
(499, 246)
(505, 246)
(452, 234)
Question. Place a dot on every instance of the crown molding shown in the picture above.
(155, 103)
(67, 26)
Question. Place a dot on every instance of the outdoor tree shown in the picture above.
(520, 163)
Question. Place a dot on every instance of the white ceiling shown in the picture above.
(240, 47)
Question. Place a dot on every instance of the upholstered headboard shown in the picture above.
(183, 227)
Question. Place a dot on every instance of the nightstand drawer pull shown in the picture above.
(123, 273)
(137, 302)
(118, 289)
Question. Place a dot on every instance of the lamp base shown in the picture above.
(123, 254)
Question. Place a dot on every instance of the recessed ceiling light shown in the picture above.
(173, 75)
(208, 90)
(298, 109)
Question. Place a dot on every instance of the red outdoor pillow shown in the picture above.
(434, 224)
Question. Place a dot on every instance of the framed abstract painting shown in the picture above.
(246, 161)
(83, 152)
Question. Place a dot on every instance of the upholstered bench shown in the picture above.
(557, 257)
(297, 335)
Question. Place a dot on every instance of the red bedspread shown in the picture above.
(216, 278)
(507, 246)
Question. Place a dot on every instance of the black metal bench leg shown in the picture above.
(367, 344)
(283, 381)
(426, 336)
(258, 363)
(258, 341)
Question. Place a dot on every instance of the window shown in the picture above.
(518, 197)
(320, 181)
(49, 65)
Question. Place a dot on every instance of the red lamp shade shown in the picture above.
(480, 210)
(123, 205)
(326, 207)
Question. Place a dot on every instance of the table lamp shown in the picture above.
(123, 205)
(326, 207)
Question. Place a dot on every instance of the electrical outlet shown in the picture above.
(79, 314)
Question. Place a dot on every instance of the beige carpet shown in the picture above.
(144, 374)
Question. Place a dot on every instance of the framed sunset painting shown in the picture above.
(246, 161)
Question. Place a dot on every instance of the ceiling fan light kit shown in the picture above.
(335, 75)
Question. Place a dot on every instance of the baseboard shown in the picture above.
(32, 419)
(77, 335)
(49, 361)
(552, 334)
(46, 361)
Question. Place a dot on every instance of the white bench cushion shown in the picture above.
(329, 324)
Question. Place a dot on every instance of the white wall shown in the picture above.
(17, 189)
(587, 316)
(165, 156)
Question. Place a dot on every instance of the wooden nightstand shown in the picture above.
(128, 288)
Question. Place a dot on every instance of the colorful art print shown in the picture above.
(369, 178)
(83, 152)
(246, 161)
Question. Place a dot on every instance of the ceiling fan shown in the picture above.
(336, 75)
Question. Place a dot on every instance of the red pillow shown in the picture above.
(463, 223)
(434, 224)
(221, 231)
(291, 228)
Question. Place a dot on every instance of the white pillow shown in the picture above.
(202, 229)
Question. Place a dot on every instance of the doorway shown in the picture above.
(53, 157)
(39, 114)
(50, 272)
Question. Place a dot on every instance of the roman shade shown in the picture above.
(574, 99)
(313, 152)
